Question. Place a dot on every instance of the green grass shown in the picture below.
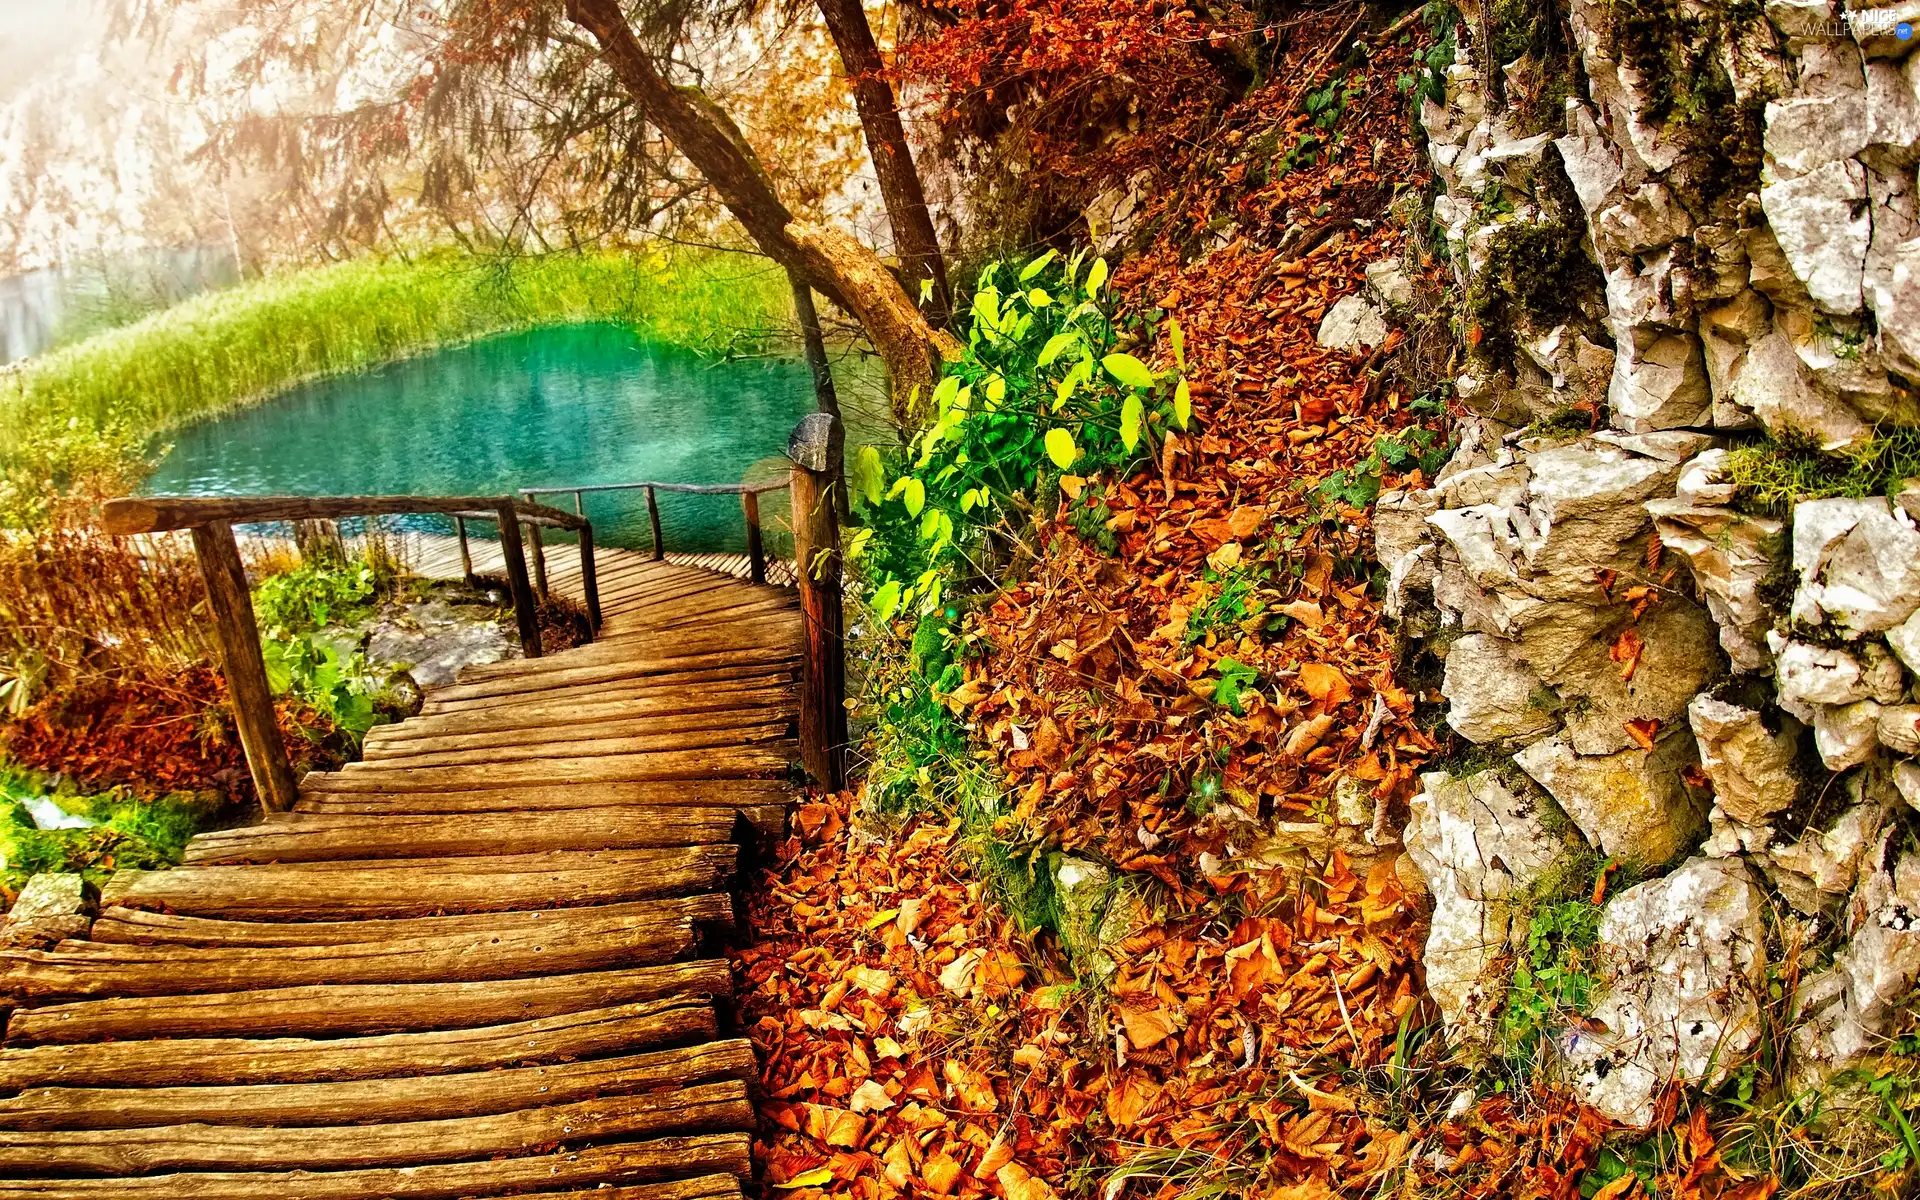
(225, 349)
(132, 831)
(1771, 476)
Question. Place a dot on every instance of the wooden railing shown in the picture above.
(749, 494)
(817, 566)
(237, 634)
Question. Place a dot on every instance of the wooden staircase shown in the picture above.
(475, 964)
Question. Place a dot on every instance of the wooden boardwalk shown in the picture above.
(477, 963)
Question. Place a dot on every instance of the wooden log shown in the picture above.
(635, 1162)
(586, 940)
(589, 575)
(466, 551)
(816, 548)
(312, 838)
(723, 711)
(767, 760)
(244, 667)
(756, 553)
(140, 927)
(564, 745)
(525, 611)
(421, 887)
(537, 545)
(709, 1187)
(360, 1008)
(425, 1098)
(617, 1029)
(731, 793)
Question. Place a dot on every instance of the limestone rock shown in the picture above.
(1819, 675)
(1896, 305)
(1400, 522)
(1904, 638)
(1351, 324)
(1659, 381)
(1387, 281)
(1867, 579)
(1477, 843)
(1752, 769)
(1805, 133)
(1818, 870)
(1822, 224)
(50, 908)
(1492, 696)
(1846, 734)
(1898, 728)
(1632, 803)
(1848, 1011)
(1731, 556)
(1681, 958)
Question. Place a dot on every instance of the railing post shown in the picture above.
(539, 561)
(653, 519)
(579, 504)
(756, 552)
(816, 560)
(589, 578)
(246, 670)
(524, 612)
(466, 553)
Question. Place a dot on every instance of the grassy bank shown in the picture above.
(225, 349)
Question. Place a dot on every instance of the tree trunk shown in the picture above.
(831, 262)
(826, 398)
(906, 199)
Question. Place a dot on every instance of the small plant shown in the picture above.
(1232, 602)
(1359, 485)
(1771, 476)
(1551, 978)
(312, 597)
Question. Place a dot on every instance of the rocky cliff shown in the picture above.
(1672, 569)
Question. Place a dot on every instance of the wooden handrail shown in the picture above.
(236, 632)
(695, 489)
(155, 514)
(749, 494)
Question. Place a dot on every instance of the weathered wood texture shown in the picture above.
(465, 967)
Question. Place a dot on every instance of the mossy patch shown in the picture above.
(1772, 475)
(1534, 272)
(130, 831)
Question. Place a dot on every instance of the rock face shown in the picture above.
(1351, 324)
(1681, 957)
(1478, 843)
(1690, 678)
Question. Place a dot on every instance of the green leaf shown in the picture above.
(1178, 341)
(1061, 449)
(1182, 405)
(1037, 265)
(1039, 298)
(944, 393)
(1235, 676)
(929, 524)
(986, 308)
(869, 474)
(1057, 345)
(857, 544)
(996, 389)
(1130, 371)
(1096, 276)
(1130, 414)
(915, 496)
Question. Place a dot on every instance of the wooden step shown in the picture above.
(406, 887)
(311, 837)
(425, 1098)
(549, 674)
(766, 760)
(618, 1029)
(634, 1162)
(564, 743)
(317, 796)
(361, 1008)
(661, 715)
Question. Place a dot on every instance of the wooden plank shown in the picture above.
(767, 760)
(555, 673)
(589, 941)
(563, 743)
(140, 927)
(617, 1029)
(360, 1008)
(731, 793)
(664, 684)
(729, 636)
(509, 727)
(428, 1098)
(308, 837)
(422, 887)
(711, 1187)
(638, 1162)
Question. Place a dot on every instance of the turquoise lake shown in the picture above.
(555, 407)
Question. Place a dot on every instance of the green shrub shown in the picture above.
(1773, 475)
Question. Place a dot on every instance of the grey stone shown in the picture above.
(1631, 803)
(1810, 674)
(1659, 382)
(1805, 133)
(51, 908)
(1848, 1011)
(1731, 556)
(1846, 734)
(1477, 843)
(1388, 282)
(1898, 728)
(1896, 304)
(1681, 959)
(1823, 227)
(1865, 580)
(1492, 696)
(1818, 870)
(1752, 770)
(1904, 638)
(1351, 324)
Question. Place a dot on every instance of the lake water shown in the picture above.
(552, 407)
